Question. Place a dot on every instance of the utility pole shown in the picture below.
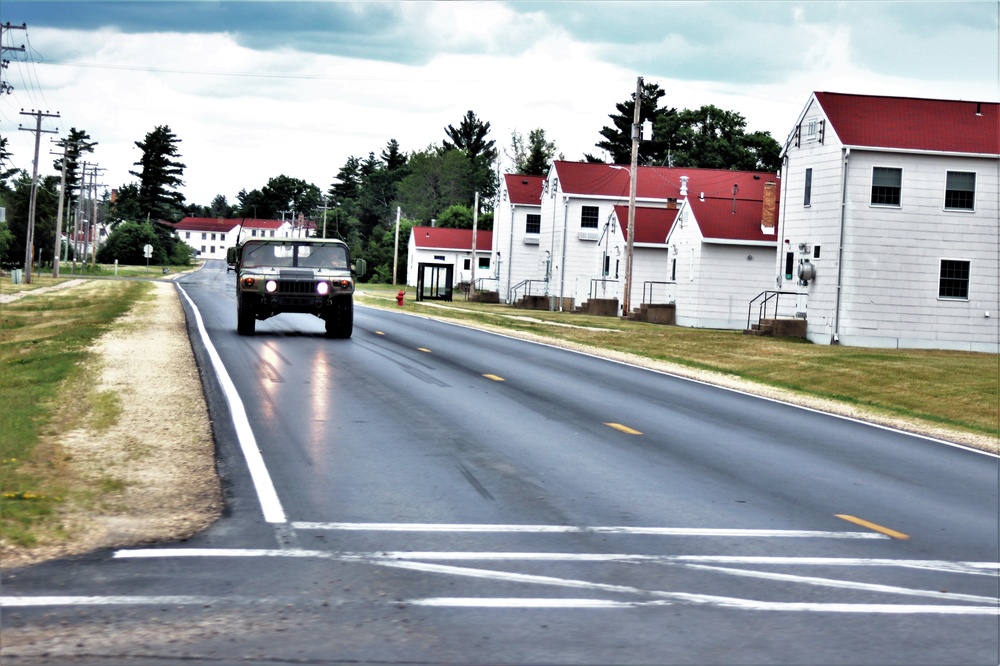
(395, 247)
(475, 259)
(29, 240)
(93, 226)
(324, 208)
(5, 87)
(79, 216)
(59, 215)
(627, 297)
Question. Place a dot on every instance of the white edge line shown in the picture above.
(266, 494)
(854, 419)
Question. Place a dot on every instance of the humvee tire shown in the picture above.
(340, 322)
(246, 318)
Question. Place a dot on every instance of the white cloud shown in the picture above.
(245, 115)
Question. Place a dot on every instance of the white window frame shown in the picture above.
(968, 282)
(871, 187)
(975, 176)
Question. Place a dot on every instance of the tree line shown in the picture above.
(435, 185)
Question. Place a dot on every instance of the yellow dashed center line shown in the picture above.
(424, 349)
(872, 526)
(494, 377)
(379, 333)
(621, 428)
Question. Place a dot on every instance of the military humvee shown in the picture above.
(311, 275)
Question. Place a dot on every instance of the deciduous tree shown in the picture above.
(532, 157)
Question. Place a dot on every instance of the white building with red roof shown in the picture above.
(517, 221)
(889, 222)
(710, 253)
(713, 215)
(209, 237)
(436, 252)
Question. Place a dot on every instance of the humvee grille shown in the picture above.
(296, 287)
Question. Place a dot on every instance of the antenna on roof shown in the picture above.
(736, 189)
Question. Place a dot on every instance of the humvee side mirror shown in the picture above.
(360, 266)
(231, 254)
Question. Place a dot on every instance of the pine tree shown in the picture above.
(76, 144)
(160, 175)
(470, 138)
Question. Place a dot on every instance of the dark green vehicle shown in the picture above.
(310, 275)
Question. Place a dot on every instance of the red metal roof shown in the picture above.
(720, 219)
(223, 225)
(651, 224)
(612, 181)
(524, 190)
(909, 123)
(451, 239)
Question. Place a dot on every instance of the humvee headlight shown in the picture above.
(248, 282)
(271, 286)
(322, 288)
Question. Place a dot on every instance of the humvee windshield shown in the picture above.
(297, 255)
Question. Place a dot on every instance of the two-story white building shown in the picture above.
(889, 222)
(517, 223)
(209, 236)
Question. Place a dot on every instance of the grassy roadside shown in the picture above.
(955, 390)
(47, 389)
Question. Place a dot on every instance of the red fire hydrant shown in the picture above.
(399, 297)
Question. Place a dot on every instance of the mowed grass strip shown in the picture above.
(45, 389)
(946, 388)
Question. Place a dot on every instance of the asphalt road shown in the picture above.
(430, 493)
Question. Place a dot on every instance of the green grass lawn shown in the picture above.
(47, 389)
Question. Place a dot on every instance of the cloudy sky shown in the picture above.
(259, 89)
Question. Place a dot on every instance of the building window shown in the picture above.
(887, 183)
(272, 233)
(807, 197)
(960, 190)
(466, 264)
(213, 236)
(588, 218)
(533, 225)
(187, 234)
(484, 262)
(212, 250)
(202, 249)
(204, 236)
(811, 128)
(438, 257)
(954, 282)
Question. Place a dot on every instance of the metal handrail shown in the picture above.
(650, 284)
(596, 281)
(522, 283)
(767, 296)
